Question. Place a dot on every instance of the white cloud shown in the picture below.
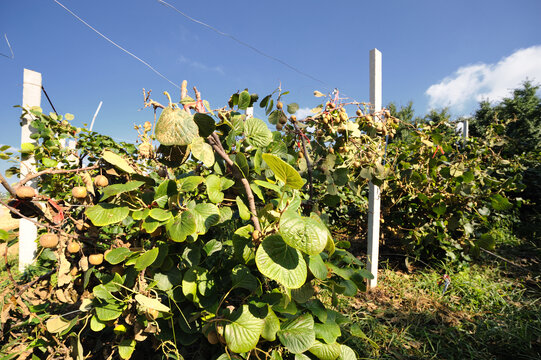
(473, 83)
(303, 113)
(201, 66)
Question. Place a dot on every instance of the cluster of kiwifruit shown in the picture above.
(283, 117)
(50, 240)
(385, 123)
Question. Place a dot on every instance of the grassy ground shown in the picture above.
(488, 312)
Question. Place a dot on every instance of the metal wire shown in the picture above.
(118, 46)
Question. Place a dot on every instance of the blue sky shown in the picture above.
(435, 53)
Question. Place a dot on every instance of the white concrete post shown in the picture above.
(249, 112)
(465, 126)
(28, 232)
(374, 199)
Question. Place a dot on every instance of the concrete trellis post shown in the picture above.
(249, 112)
(374, 198)
(28, 231)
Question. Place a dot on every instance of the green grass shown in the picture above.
(487, 313)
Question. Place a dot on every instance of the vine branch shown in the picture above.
(214, 141)
(51, 171)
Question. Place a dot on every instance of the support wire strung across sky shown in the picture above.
(244, 44)
(262, 53)
(118, 46)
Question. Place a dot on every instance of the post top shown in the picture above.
(31, 76)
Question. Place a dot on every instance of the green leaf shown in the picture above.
(190, 183)
(241, 277)
(257, 133)
(126, 348)
(292, 108)
(486, 241)
(297, 334)
(244, 100)
(242, 333)
(303, 294)
(346, 353)
(202, 151)
(27, 148)
(499, 203)
(271, 327)
(243, 209)
(106, 214)
(108, 311)
(96, 325)
(116, 189)
(280, 262)
(180, 227)
(206, 216)
(329, 331)
(146, 259)
(49, 162)
(305, 234)
(150, 224)
(4, 235)
(176, 127)
(268, 185)
(160, 214)
(242, 163)
(275, 116)
(439, 209)
(167, 189)
(205, 124)
(317, 267)
(151, 303)
(117, 161)
(325, 351)
(214, 188)
(283, 171)
(118, 255)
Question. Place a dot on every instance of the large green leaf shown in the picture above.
(202, 151)
(167, 189)
(346, 353)
(190, 183)
(176, 127)
(272, 325)
(280, 262)
(297, 334)
(117, 161)
(326, 351)
(160, 214)
(126, 348)
(242, 333)
(146, 259)
(329, 331)
(214, 188)
(317, 267)
(118, 255)
(306, 234)
(244, 212)
(206, 215)
(103, 214)
(283, 171)
(181, 226)
(205, 124)
(244, 100)
(109, 311)
(257, 133)
(116, 189)
(241, 277)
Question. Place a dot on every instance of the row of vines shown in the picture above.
(221, 236)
